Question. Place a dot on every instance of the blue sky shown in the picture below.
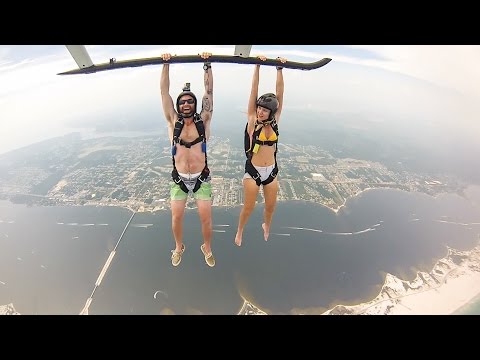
(407, 85)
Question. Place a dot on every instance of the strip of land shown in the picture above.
(452, 283)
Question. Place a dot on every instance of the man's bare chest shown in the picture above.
(189, 133)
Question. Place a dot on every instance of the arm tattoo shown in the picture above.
(206, 104)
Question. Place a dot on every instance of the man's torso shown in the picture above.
(189, 160)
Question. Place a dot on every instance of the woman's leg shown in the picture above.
(270, 192)
(250, 192)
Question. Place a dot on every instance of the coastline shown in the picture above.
(470, 308)
(453, 282)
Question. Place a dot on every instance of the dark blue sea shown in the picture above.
(51, 257)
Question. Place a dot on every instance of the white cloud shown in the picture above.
(34, 97)
(449, 66)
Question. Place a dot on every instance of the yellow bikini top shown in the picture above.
(262, 136)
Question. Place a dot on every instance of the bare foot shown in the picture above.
(238, 239)
(266, 231)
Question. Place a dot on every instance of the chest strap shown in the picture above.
(177, 140)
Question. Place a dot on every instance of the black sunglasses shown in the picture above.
(188, 101)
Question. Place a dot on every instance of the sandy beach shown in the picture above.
(452, 283)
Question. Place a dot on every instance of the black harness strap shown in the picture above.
(250, 169)
(177, 140)
(249, 147)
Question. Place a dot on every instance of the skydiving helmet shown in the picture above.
(186, 91)
(270, 102)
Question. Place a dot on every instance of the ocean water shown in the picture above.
(472, 308)
(50, 257)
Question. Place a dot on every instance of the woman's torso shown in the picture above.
(265, 156)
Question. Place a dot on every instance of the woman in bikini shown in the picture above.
(261, 137)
